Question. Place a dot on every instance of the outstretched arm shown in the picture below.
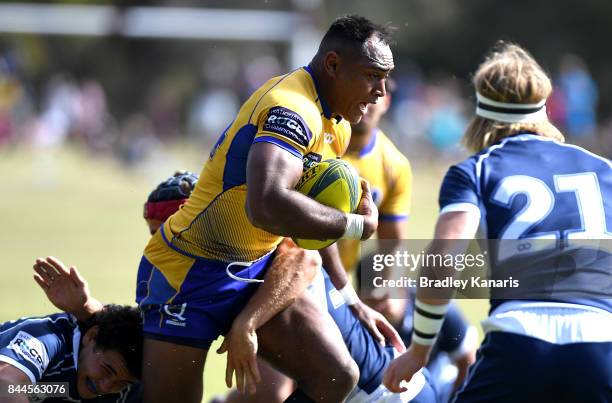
(375, 322)
(65, 288)
(291, 271)
(452, 231)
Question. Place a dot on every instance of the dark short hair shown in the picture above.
(119, 329)
(353, 30)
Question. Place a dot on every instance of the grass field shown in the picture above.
(87, 211)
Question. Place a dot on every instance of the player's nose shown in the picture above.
(379, 89)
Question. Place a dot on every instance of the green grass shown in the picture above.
(87, 211)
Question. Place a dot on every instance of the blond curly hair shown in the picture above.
(509, 74)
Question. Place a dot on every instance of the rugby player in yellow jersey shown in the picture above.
(387, 171)
(389, 175)
(201, 267)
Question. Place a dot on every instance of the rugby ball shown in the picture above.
(334, 183)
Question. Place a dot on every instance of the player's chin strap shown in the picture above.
(246, 265)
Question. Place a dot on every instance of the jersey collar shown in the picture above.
(528, 136)
(324, 105)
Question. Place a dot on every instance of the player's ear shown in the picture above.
(90, 335)
(331, 63)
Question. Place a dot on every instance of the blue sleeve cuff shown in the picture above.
(282, 144)
(393, 217)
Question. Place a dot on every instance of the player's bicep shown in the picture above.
(270, 166)
(12, 375)
(270, 171)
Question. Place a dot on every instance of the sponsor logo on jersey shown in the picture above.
(288, 124)
(328, 138)
(176, 313)
(29, 347)
(310, 160)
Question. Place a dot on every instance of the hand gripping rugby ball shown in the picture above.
(334, 183)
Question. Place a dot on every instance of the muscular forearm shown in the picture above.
(289, 213)
(290, 273)
(274, 205)
(452, 234)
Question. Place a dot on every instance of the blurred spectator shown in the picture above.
(447, 122)
(432, 115)
(409, 112)
(211, 113)
(163, 107)
(92, 118)
(555, 108)
(58, 114)
(15, 106)
(137, 139)
(197, 95)
(260, 70)
(221, 67)
(580, 95)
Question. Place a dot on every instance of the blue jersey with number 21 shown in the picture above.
(550, 194)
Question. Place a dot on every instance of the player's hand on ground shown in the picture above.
(404, 367)
(241, 347)
(65, 288)
(378, 326)
(367, 208)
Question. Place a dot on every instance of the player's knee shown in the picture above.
(336, 384)
(338, 380)
(349, 373)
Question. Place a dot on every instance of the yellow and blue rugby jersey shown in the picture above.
(286, 111)
(390, 177)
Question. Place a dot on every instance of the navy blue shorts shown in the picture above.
(515, 368)
(198, 307)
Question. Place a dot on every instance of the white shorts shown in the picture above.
(553, 322)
